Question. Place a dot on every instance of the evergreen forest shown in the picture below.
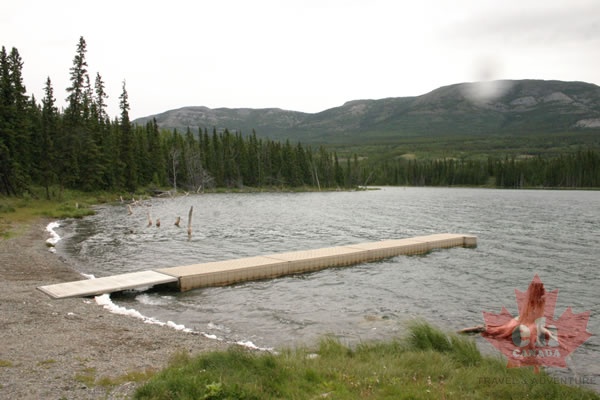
(81, 147)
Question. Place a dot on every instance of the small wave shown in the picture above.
(145, 298)
(250, 345)
(54, 236)
(105, 301)
(221, 328)
(211, 336)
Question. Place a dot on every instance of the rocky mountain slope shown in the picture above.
(498, 107)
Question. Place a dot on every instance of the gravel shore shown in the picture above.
(64, 349)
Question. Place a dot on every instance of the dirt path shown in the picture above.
(53, 349)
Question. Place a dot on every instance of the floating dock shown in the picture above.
(220, 273)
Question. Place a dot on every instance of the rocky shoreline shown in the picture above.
(71, 348)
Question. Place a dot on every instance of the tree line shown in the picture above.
(80, 147)
(580, 169)
(203, 159)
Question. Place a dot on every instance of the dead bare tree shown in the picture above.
(198, 178)
(189, 228)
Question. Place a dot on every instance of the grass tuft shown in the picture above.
(423, 336)
(47, 363)
(87, 377)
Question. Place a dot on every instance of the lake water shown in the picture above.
(555, 234)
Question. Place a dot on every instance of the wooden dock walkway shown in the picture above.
(227, 272)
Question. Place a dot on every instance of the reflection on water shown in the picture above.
(555, 234)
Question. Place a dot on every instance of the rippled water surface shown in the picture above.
(555, 234)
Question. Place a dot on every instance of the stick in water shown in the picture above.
(190, 221)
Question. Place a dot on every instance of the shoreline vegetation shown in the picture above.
(426, 363)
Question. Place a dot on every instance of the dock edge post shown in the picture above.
(470, 241)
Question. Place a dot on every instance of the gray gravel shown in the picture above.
(55, 349)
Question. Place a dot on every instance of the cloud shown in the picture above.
(546, 23)
(305, 55)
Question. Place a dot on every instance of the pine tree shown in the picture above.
(21, 116)
(156, 154)
(92, 162)
(338, 171)
(77, 90)
(49, 132)
(218, 166)
(99, 100)
(100, 126)
(74, 127)
(127, 151)
(15, 146)
(7, 184)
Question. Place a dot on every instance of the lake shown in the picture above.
(555, 234)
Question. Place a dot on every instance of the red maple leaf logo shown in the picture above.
(535, 337)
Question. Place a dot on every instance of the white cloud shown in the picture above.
(306, 55)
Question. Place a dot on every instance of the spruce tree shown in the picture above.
(77, 90)
(15, 146)
(70, 140)
(99, 100)
(21, 115)
(7, 177)
(91, 160)
(156, 151)
(49, 132)
(127, 150)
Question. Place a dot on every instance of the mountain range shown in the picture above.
(512, 107)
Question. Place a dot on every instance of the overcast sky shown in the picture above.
(303, 55)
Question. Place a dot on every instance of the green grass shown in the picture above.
(5, 363)
(87, 377)
(47, 363)
(18, 212)
(426, 364)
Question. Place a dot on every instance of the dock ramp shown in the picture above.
(109, 284)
